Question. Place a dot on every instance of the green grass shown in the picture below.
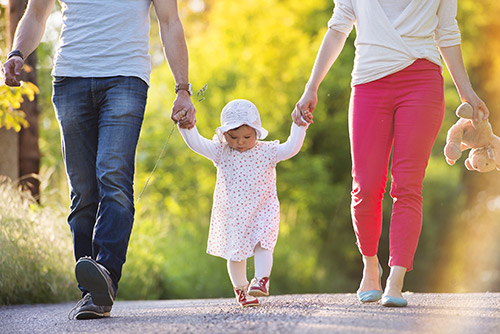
(36, 256)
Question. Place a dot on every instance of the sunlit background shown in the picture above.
(263, 50)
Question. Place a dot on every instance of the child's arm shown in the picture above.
(293, 144)
(198, 143)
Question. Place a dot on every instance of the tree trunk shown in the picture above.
(9, 153)
(28, 149)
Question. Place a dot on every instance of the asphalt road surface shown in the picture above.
(325, 313)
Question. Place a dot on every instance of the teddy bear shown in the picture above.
(478, 136)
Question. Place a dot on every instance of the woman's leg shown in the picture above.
(371, 135)
(416, 124)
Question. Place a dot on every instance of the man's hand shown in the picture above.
(183, 111)
(11, 69)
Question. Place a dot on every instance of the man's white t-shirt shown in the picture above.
(104, 39)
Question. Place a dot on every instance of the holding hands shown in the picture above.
(302, 114)
(183, 111)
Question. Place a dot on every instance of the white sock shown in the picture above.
(263, 260)
(237, 272)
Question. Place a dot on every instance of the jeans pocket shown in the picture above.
(58, 79)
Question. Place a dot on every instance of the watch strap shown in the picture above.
(15, 53)
(184, 86)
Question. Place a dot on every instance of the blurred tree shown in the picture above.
(473, 259)
(27, 141)
(264, 51)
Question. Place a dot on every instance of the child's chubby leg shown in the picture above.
(263, 259)
(238, 274)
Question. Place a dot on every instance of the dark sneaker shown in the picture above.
(94, 278)
(86, 309)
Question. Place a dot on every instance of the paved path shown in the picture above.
(326, 313)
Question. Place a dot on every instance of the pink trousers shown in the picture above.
(403, 112)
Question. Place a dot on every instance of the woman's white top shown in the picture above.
(245, 208)
(388, 42)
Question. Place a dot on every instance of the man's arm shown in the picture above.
(174, 44)
(28, 35)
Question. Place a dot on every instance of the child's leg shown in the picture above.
(263, 260)
(237, 272)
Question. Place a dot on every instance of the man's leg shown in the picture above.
(121, 102)
(78, 120)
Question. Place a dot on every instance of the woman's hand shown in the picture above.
(304, 108)
(480, 110)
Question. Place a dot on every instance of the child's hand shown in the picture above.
(302, 118)
(307, 116)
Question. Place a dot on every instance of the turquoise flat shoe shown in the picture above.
(371, 295)
(394, 301)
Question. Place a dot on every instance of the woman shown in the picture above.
(397, 103)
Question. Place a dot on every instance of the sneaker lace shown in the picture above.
(72, 313)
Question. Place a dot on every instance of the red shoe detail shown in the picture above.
(259, 287)
(243, 298)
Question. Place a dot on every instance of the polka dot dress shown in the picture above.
(245, 209)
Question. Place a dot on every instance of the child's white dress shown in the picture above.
(245, 208)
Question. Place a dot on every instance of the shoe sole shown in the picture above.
(258, 293)
(250, 305)
(392, 304)
(91, 315)
(91, 277)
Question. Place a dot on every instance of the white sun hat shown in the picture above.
(237, 113)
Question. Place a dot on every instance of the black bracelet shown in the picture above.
(16, 53)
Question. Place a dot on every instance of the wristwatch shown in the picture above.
(184, 86)
(14, 53)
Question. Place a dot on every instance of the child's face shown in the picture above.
(242, 138)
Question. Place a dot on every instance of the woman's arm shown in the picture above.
(452, 56)
(332, 45)
(198, 143)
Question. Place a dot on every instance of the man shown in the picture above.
(101, 77)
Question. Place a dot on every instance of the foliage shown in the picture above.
(269, 65)
(263, 51)
(11, 117)
(35, 251)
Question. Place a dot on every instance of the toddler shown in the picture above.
(246, 211)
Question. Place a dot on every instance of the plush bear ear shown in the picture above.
(468, 165)
(465, 110)
(491, 153)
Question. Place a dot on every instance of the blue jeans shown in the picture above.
(100, 121)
